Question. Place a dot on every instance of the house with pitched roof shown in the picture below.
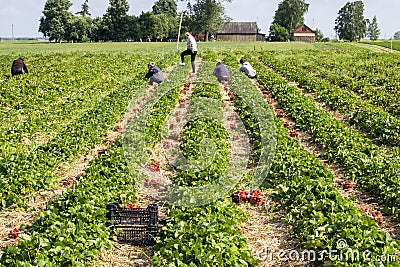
(302, 33)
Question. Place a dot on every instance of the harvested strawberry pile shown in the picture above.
(154, 166)
(374, 214)
(349, 185)
(14, 233)
(254, 197)
(130, 206)
(69, 181)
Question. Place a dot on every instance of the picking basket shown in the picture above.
(133, 226)
(135, 234)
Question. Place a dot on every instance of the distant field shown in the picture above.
(388, 44)
(24, 47)
(84, 128)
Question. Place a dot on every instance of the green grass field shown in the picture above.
(23, 47)
(395, 45)
(70, 107)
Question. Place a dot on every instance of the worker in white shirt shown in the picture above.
(191, 49)
(247, 68)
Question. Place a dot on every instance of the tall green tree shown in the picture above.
(55, 20)
(278, 33)
(165, 19)
(372, 29)
(165, 7)
(85, 10)
(319, 36)
(290, 13)
(116, 21)
(80, 29)
(350, 24)
(208, 16)
(146, 28)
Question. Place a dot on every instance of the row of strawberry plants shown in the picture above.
(373, 76)
(362, 161)
(320, 216)
(48, 101)
(204, 235)
(72, 230)
(196, 131)
(373, 121)
(25, 173)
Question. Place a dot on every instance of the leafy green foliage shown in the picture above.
(168, 7)
(203, 236)
(208, 16)
(59, 123)
(290, 14)
(55, 19)
(192, 136)
(362, 160)
(321, 217)
(370, 119)
(373, 30)
(72, 229)
(278, 33)
(350, 24)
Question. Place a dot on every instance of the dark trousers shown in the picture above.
(188, 52)
(16, 71)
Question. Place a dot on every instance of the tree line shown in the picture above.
(204, 16)
(162, 23)
(350, 24)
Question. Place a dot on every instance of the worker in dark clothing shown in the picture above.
(154, 74)
(18, 67)
(221, 72)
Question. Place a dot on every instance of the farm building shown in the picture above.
(240, 32)
(302, 33)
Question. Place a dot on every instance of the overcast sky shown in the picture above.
(23, 15)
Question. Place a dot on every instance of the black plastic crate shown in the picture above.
(133, 226)
(142, 216)
(135, 234)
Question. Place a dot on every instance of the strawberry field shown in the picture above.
(311, 144)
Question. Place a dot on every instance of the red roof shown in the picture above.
(303, 29)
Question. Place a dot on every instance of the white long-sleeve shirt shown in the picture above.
(191, 43)
(248, 69)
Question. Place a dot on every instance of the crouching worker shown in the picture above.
(18, 67)
(247, 68)
(155, 75)
(221, 72)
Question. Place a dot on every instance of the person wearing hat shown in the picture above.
(247, 69)
(221, 72)
(154, 74)
(191, 49)
(18, 67)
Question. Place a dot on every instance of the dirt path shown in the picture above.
(266, 233)
(141, 255)
(376, 48)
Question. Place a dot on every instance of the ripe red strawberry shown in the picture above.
(349, 185)
(15, 232)
(294, 133)
(280, 113)
(118, 128)
(69, 181)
